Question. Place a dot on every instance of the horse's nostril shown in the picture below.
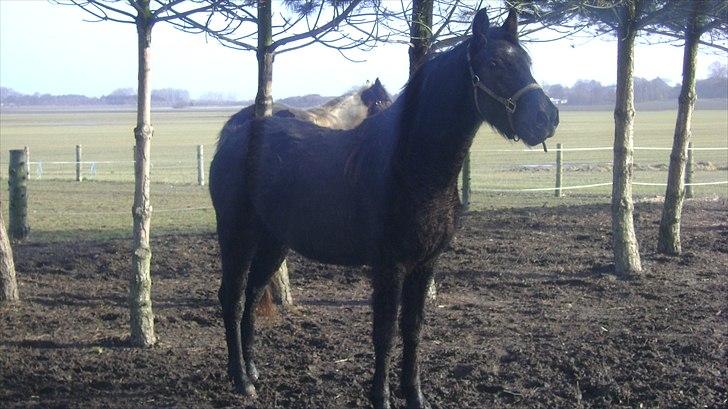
(556, 117)
(542, 120)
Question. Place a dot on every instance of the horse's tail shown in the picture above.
(239, 119)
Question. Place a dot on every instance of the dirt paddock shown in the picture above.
(528, 315)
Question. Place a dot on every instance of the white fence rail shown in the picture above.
(192, 171)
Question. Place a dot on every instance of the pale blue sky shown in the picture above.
(50, 49)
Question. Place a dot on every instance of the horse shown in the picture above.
(344, 112)
(383, 194)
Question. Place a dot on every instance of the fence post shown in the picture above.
(689, 168)
(559, 170)
(17, 195)
(200, 166)
(466, 183)
(78, 163)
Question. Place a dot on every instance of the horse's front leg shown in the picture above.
(387, 283)
(414, 291)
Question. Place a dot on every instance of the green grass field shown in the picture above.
(101, 206)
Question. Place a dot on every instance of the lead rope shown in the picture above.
(508, 103)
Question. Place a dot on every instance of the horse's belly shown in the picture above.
(307, 193)
(321, 222)
(327, 234)
(325, 252)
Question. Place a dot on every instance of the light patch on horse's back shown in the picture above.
(345, 112)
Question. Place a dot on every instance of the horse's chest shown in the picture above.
(423, 233)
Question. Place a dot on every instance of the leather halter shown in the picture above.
(511, 104)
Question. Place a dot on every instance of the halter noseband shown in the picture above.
(509, 103)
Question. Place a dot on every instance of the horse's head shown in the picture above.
(506, 95)
(375, 98)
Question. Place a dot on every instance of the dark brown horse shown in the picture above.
(383, 194)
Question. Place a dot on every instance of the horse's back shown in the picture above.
(318, 190)
(305, 193)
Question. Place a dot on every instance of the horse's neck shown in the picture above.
(438, 123)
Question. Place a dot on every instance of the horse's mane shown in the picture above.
(337, 100)
(421, 89)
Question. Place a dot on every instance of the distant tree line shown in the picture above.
(590, 92)
(169, 97)
(583, 92)
(166, 97)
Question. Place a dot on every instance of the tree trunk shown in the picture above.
(626, 249)
(140, 283)
(420, 33)
(280, 288)
(18, 195)
(8, 283)
(668, 241)
(264, 97)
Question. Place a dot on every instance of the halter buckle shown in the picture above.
(510, 106)
(475, 79)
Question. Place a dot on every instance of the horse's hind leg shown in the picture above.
(236, 249)
(414, 290)
(268, 258)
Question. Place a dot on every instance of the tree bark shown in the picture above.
(624, 241)
(8, 283)
(280, 288)
(140, 283)
(18, 195)
(668, 241)
(264, 97)
(420, 33)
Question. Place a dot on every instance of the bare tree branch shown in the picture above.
(100, 10)
(316, 31)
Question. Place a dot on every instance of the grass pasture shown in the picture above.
(101, 205)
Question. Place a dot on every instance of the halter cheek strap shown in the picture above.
(511, 104)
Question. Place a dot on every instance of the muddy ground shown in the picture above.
(528, 315)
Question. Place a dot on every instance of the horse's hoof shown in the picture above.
(422, 404)
(417, 402)
(381, 405)
(380, 402)
(252, 372)
(247, 390)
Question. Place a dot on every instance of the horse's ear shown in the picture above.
(480, 27)
(510, 25)
(377, 82)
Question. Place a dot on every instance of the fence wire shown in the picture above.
(507, 171)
